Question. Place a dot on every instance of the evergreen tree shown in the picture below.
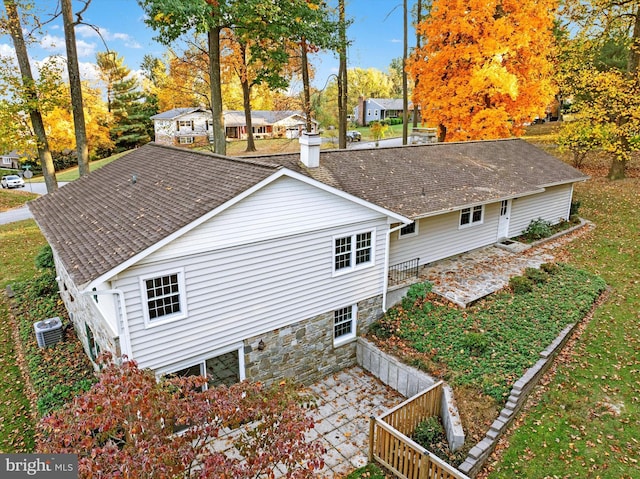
(131, 114)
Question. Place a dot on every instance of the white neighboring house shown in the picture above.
(193, 126)
(270, 267)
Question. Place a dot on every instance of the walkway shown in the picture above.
(468, 277)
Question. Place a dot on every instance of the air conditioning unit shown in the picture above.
(48, 331)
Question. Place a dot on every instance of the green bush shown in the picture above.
(429, 432)
(477, 343)
(573, 210)
(44, 259)
(536, 275)
(538, 229)
(521, 284)
(549, 268)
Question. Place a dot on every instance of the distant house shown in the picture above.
(378, 109)
(10, 160)
(193, 126)
(271, 267)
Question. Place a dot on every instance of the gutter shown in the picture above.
(385, 285)
(125, 344)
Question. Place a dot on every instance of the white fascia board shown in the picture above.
(481, 203)
(258, 186)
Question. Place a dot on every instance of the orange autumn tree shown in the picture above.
(485, 67)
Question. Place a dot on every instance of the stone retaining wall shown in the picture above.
(519, 393)
(409, 381)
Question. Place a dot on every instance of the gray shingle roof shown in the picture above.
(177, 112)
(423, 180)
(100, 221)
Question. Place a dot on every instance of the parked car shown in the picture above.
(353, 135)
(12, 181)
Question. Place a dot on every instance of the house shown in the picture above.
(378, 109)
(10, 160)
(193, 126)
(271, 266)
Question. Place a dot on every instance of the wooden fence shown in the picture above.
(390, 445)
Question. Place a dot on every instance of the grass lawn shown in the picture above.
(13, 198)
(586, 424)
(20, 243)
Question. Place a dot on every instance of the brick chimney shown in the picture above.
(310, 149)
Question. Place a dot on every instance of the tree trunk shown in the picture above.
(418, 45)
(75, 87)
(246, 100)
(246, 97)
(405, 88)
(342, 79)
(217, 123)
(305, 86)
(35, 115)
(442, 133)
(617, 169)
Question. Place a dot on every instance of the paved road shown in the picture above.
(23, 213)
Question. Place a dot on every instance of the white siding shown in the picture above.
(285, 207)
(551, 205)
(440, 237)
(268, 282)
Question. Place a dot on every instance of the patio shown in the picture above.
(468, 277)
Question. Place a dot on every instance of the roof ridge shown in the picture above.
(237, 159)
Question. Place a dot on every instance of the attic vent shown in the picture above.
(48, 331)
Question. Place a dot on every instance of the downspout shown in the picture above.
(125, 346)
(385, 286)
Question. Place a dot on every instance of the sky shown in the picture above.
(376, 36)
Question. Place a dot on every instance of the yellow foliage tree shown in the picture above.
(485, 68)
(59, 125)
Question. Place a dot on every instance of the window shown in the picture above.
(409, 230)
(186, 140)
(344, 325)
(226, 368)
(470, 216)
(164, 297)
(188, 124)
(353, 251)
(6, 160)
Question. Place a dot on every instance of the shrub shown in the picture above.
(537, 229)
(429, 432)
(419, 290)
(521, 284)
(44, 258)
(536, 275)
(575, 206)
(549, 268)
(477, 343)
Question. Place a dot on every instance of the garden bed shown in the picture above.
(482, 350)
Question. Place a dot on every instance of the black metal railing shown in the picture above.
(401, 272)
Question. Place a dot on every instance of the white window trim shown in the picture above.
(203, 358)
(182, 291)
(353, 267)
(409, 235)
(347, 338)
(186, 140)
(471, 222)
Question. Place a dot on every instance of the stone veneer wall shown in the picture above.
(409, 381)
(304, 351)
(82, 310)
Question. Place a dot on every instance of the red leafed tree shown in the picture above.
(125, 427)
(485, 67)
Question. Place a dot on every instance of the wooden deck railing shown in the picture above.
(390, 445)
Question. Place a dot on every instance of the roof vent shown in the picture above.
(48, 331)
